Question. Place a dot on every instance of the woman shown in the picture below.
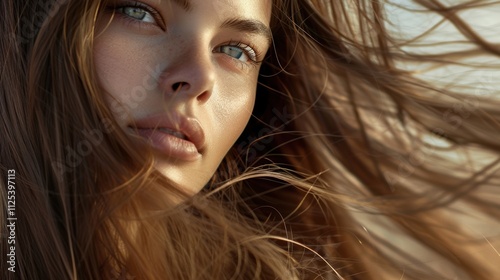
(236, 140)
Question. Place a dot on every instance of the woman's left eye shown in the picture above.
(137, 13)
(239, 51)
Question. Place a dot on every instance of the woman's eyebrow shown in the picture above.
(248, 25)
(185, 4)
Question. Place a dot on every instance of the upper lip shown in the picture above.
(188, 126)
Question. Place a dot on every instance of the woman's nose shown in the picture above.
(189, 75)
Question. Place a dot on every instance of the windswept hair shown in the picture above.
(355, 164)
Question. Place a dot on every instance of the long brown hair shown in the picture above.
(352, 167)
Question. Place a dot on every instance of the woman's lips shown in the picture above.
(173, 135)
(170, 145)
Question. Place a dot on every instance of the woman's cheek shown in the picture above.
(233, 108)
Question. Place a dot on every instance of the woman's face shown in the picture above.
(181, 76)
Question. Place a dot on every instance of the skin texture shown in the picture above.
(170, 59)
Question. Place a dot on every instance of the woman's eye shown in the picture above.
(240, 52)
(137, 13)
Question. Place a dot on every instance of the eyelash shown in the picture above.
(249, 50)
(135, 4)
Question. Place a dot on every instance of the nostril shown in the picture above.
(178, 86)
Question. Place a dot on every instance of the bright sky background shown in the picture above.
(485, 21)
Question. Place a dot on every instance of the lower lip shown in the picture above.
(170, 145)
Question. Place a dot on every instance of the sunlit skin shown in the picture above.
(169, 60)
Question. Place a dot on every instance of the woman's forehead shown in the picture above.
(258, 9)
